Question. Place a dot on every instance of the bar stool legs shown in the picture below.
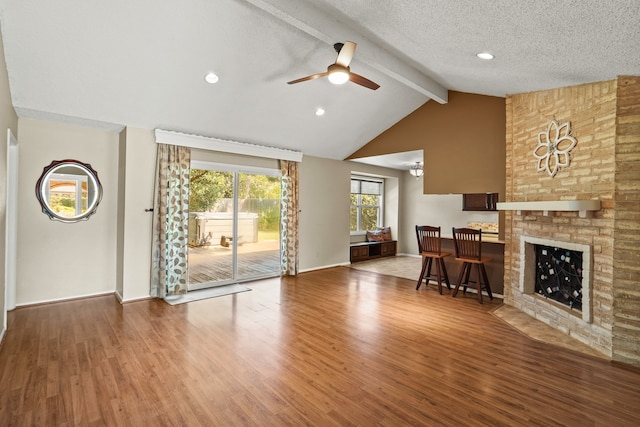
(441, 272)
(468, 245)
(482, 281)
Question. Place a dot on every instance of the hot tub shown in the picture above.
(208, 228)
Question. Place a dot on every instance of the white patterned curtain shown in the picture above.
(289, 213)
(169, 262)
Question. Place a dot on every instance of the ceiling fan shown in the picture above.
(339, 72)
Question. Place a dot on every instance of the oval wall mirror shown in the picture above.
(69, 190)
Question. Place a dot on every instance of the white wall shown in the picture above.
(58, 260)
(8, 120)
(438, 210)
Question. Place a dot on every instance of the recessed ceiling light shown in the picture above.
(211, 78)
(484, 55)
(319, 111)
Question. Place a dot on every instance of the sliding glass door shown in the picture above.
(234, 225)
(258, 248)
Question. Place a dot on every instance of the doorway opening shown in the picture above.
(234, 224)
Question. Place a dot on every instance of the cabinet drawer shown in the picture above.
(388, 248)
(359, 251)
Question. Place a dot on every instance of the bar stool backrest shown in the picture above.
(428, 239)
(468, 243)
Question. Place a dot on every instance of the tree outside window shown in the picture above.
(366, 204)
(208, 190)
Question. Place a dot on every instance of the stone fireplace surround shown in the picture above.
(527, 272)
(605, 166)
(590, 325)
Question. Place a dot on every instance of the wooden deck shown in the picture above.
(213, 263)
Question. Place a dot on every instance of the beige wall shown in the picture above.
(463, 143)
(59, 260)
(110, 251)
(438, 210)
(8, 120)
(122, 163)
(324, 204)
(134, 224)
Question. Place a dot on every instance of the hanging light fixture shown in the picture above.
(417, 170)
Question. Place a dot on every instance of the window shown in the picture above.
(366, 203)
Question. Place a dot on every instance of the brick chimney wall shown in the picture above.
(605, 165)
(626, 234)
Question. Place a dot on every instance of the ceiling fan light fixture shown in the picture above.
(339, 73)
(417, 170)
(338, 77)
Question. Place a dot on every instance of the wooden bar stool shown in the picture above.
(430, 247)
(468, 245)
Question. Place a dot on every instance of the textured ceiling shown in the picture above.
(127, 63)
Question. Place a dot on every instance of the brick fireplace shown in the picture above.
(604, 167)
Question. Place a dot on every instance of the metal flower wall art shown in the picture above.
(553, 147)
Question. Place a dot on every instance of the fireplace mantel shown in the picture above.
(580, 206)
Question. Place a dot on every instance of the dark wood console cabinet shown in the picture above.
(479, 201)
(369, 250)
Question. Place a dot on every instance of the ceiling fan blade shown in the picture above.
(304, 79)
(363, 81)
(346, 54)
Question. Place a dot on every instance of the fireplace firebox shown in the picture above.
(559, 275)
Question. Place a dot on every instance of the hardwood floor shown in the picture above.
(333, 347)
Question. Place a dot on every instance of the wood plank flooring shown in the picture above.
(333, 347)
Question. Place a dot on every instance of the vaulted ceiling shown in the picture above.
(142, 64)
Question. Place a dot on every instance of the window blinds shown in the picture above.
(365, 186)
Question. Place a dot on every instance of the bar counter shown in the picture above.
(491, 248)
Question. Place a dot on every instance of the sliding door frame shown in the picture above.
(236, 170)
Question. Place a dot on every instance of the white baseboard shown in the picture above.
(342, 264)
(49, 301)
(125, 301)
(117, 294)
